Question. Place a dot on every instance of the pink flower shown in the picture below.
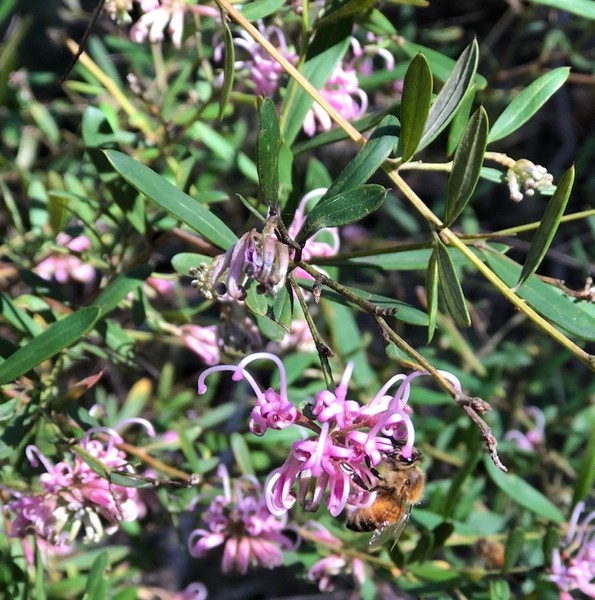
(264, 72)
(534, 437)
(64, 267)
(75, 495)
(349, 441)
(202, 341)
(157, 15)
(250, 534)
(573, 565)
(194, 591)
(259, 257)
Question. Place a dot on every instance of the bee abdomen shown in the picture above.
(360, 522)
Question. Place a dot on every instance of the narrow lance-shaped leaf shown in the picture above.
(268, 145)
(56, 337)
(97, 582)
(527, 103)
(451, 95)
(343, 9)
(548, 226)
(582, 8)
(466, 165)
(460, 120)
(228, 67)
(171, 199)
(283, 308)
(367, 161)
(513, 548)
(261, 9)
(451, 287)
(415, 104)
(342, 209)
(585, 475)
(432, 293)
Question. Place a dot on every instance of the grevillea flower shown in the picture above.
(75, 496)
(240, 520)
(67, 266)
(157, 15)
(535, 436)
(349, 439)
(202, 341)
(264, 73)
(259, 257)
(573, 565)
(194, 591)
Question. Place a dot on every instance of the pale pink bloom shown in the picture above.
(202, 341)
(157, 15)
(263, 71)
(194, 591)
(325, 571)
(573, 564)
(67, 266)
(164, 287)
(298, 338)
(349, 441)
(532, 438)
(240, 520)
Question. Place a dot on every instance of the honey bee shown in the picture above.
(402, 486)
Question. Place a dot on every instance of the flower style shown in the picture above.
(65, 267)
(534, 437)
(158, 13)
(573, 566)
(75, 496)
(251, 535)
(259, 257)
(349, 439)
(264, 72)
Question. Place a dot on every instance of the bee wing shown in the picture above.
(389, 531)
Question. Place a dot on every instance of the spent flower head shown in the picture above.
(524, 177)
(240, 520)
(348, 439)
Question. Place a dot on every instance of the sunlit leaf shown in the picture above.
(415, 104)
(460, 120)
(283, 307)
(337, 10)
(527, 103)
(228, 68)
(259, 9)
(554, 211)
(466, 165)
(432, 293)
(268, 144)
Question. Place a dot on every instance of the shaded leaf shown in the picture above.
(120, 287)
(367, 161)
(241, 453)
(283, 308)
(56, 337)
(171, 199)
(125, 480)
(554, 211)
(94, 463)
(499, 589)
(459, 121)
(527, 103)
(466, 165)
(97, 581)
(259, 9)
(432, 293)
(451, 287)
(582, 8)
(339, 10)
(451, 95)
(268, 145)
(523, 494)
(513, 548)
(415, 104)
(228, 68)
(256, 302)
(575, 317)
(342, 209)
(585, 475)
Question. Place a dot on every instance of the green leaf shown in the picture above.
(405, 312)
(527, 103)
(268, 145)
(124, 480)
(120, 287)
(459, 121)
(523, 494)
(171, 199)
(451, 95)
(582, 8)
(184, 261)
(96, 588)
(513, 548)
(56, 337)
(432, 293)
(338, 10)
(554, 211)
(261, 9)
(415, 104)
(241, 453)
(328, 47)
(228, 68)
(451, 287)
(283, 308)
(17, 317)
(348, 207)
(577, 318)
(256, 302)
(499, 589)
(585, 475)
(271, 330)
(39, 574)
(96, 465)
(466, 165)
(367, 161)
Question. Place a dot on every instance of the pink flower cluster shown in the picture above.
(573, 566)
(349, 439)
(74, 496)
(240, 520)
(66, 266)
